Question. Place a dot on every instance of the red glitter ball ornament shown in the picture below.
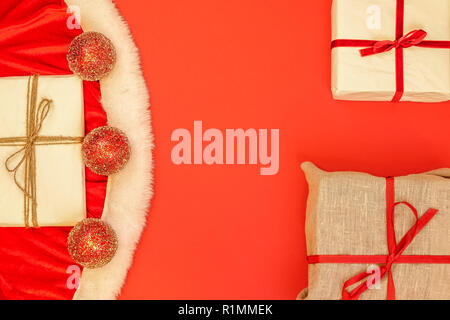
(91, 55)
(106, 150)
(92, 243)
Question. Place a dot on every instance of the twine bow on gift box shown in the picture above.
(26, 155)
(395, 249)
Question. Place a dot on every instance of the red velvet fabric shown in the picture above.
(34, 39)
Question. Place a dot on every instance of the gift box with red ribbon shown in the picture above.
(391, 50)
(377, 238)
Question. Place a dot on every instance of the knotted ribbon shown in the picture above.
(26, 155)
(413, 38)
(395, 250)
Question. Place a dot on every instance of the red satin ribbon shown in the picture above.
(414, 38)
(395, 250)
(411, 39)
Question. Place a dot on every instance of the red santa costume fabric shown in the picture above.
(34, 38)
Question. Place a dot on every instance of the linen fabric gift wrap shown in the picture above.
(391, 50)
(41, 168)
(361, 229)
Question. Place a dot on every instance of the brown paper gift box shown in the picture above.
(60, 181)
(373, 78)
(346, 215)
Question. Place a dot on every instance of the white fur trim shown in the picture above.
(126, 100)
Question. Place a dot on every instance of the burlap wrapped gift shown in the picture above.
(359, 24)
(347, 216)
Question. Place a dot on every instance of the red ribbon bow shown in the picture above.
(414, 38)
(395, 249)
(411, 39)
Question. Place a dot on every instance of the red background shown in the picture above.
(225, 231)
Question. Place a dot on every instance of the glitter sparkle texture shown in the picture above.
(106, 150)
(92, 243)
(91, 55)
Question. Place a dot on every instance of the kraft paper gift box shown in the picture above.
(348, 234)
(426, 66)
(40, 143)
